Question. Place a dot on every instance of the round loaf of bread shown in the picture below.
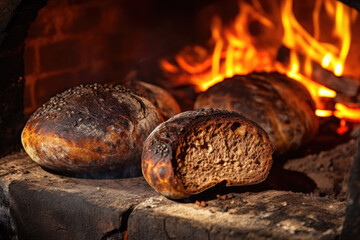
(196, 150)
(158, 96)
(280, 105)
(89, 129)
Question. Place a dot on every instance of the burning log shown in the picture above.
(196, 150)
(280, 105)
(90, 128)
(343, 85)
(158, 96)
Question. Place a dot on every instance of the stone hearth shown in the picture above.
(36, 204)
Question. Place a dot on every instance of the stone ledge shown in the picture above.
(43, 205)
(36, 204)
(263, 215)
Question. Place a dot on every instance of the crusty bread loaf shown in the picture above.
(158, 96)
(90, 128)
(280, 105)
(196, 150)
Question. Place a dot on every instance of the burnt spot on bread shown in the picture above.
(235, 126)
(154, 178)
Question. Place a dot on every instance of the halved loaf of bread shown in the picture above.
(196, 150)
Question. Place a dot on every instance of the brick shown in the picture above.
(89, 76)
(115, 43)
(117, 69)
(112, 20)
(44, 25)
(29, 60)
(47, 87)
(81, 20)
(55, 3)
(76, 2)
(60, 55)
(108, 46)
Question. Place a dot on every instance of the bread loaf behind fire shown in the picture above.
(90, 128)
(196, 150)
(280, 105)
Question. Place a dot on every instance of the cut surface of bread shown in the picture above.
(221, 151)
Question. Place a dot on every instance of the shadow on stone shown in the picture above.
(125, 172)
(278, 179)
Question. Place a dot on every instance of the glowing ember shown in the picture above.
(323, 113)
(235, 51)
(343, 128)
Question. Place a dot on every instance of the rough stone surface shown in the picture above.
(329, 169)
(43, 205)
(352, 220)
(263, 215)
(35, 204)
(7, 8)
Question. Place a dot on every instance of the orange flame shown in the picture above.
(342, 111)
(235, 50)
(331, 57)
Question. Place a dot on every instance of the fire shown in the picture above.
(330, 56)
(342, 111)
(234, 50)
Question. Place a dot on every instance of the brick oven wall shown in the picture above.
(73, 42)
(76, 42)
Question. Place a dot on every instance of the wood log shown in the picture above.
(343, 85)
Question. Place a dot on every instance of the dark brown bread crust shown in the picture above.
(280, 105)
(158, 96)
(90, 128)
(162, 150)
